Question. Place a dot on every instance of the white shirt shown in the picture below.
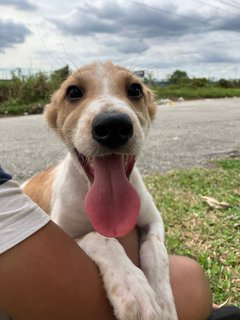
(20, 217)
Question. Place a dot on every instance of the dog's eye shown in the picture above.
(74, 93)
(135, 91)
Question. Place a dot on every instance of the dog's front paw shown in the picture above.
(132, 297)
(127, 288)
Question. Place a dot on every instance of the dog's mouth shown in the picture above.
(87, 164)
(112, 204)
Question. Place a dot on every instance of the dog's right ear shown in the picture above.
(51, 113)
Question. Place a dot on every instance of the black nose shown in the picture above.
(112, 129)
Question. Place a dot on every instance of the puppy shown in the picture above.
(102, 113)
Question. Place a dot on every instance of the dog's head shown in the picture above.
(102, 112)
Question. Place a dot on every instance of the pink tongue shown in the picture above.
(112, 204)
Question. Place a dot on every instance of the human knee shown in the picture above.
(187, 268)
(191, 289)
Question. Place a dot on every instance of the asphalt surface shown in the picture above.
(185, 134)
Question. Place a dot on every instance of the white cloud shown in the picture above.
(11, 34)
(187, 35)
(24, 5)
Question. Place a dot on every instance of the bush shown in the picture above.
(199, 82)
(30, 91)
(224, 83)
(179, 78)
(189, 93)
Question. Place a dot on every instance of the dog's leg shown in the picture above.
(127, 287)
(154, 263)
(153, 254)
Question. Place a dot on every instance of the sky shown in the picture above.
(201, 37)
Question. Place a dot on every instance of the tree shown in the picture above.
(179, 77)
(199, 82)
(224, 83)
(58, 76)
(149, 78)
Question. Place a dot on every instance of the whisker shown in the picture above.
(47, 51)
(76, 71)
(132, 64)
(56, 155)
(65, 129)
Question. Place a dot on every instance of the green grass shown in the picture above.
(196, 93)
(11, 107)
(193, 229)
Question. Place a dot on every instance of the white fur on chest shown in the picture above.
(67, 204)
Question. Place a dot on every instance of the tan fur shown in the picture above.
(39, 188)
(61, 113)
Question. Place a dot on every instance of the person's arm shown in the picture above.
(47, 276)
(43, 273)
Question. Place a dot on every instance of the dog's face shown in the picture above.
(102, 112)
(99, 110)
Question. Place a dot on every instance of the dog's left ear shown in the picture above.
(152, 107)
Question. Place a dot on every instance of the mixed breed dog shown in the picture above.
(102, 113)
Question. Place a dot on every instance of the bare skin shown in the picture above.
(47, 276)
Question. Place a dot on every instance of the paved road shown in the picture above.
(187, 134)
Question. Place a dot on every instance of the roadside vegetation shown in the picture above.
(201, 209)
(188, 93)
(179, 85)
(28, 94)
